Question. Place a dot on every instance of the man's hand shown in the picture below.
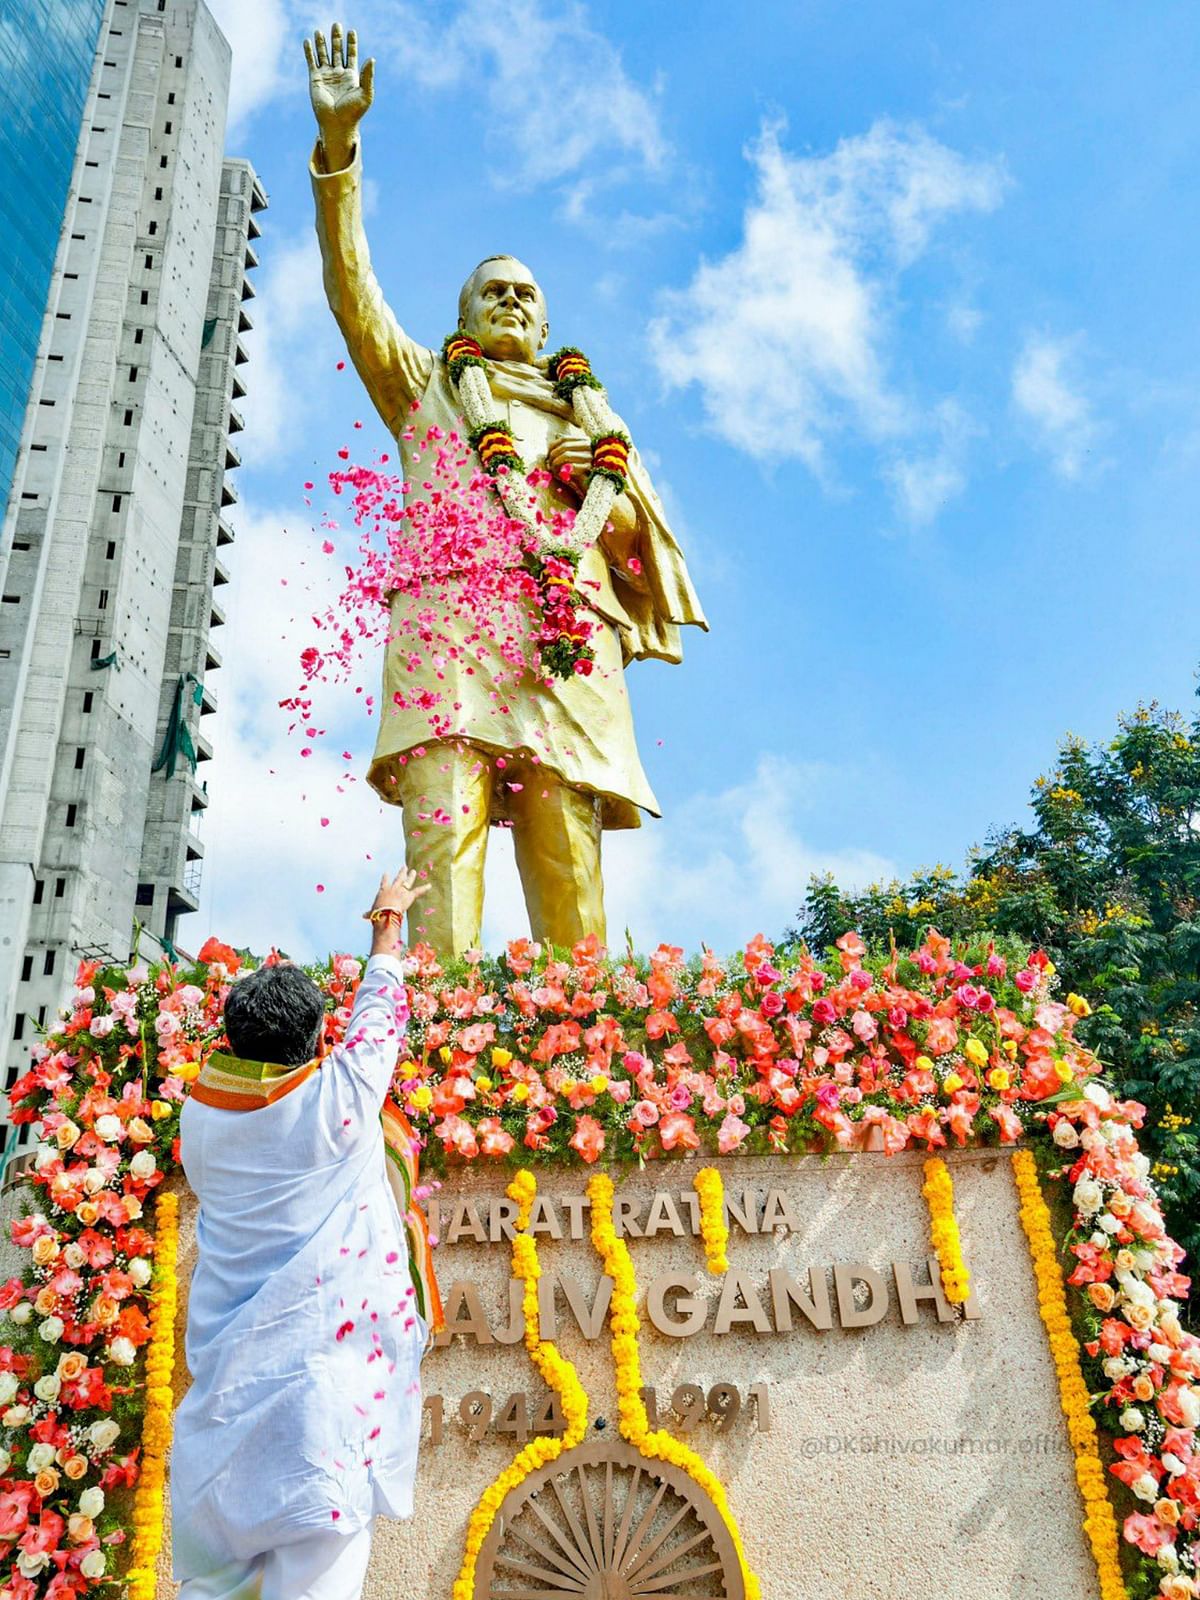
(394, 894)
(341, 96)
(568, 451)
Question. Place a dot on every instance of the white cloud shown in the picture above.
(292, 346)
(552, 92)
(716, 870)
(923, 483)
(1049, 395)
(787, 335)
(258, 32)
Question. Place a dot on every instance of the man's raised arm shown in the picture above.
(394, 368)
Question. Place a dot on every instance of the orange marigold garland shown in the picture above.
(1099, 1523)
(559, 1374)
(624, 1323)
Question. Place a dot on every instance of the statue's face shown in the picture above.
(506, 311)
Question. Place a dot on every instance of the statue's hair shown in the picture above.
(464, 294)
(274, 1014)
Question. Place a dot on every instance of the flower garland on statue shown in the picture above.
(714, 1230)
(1099, 1523)
(938, 1190)
(634, 1424)
(142, 1576)
(559, 1374)
(563, 636)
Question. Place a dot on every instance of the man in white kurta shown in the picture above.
(303, 1339)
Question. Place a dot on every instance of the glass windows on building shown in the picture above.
(47, 49)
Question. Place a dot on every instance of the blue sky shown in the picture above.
(899, 304)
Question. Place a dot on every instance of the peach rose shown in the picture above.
(44, 1302)
(87, 1211)
(105, 1310)
(1101, 1296)
(46, 1482)
(1139, 1317)
(1143, 1387)
(80, 1528)
(75, 1467)
(71, 1366)
(45, 1249)
(1167, 1511)
(139, 1130)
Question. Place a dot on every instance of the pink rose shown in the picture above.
(824, 1013)
(1025, 980)
(771, 1004)
(644, 1114)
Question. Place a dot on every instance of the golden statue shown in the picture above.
(557, 760)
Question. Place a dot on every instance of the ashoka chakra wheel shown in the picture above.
(605, 1523)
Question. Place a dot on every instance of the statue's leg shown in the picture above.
(556, 837)
(446, 795)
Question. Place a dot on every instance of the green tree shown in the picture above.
(1107, 881)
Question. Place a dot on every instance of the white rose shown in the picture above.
(123, 1351)
(140, 1271)
(1172, 1463)
(40, 1457)
(1088, 1196)
(1065, 1136)
(1168, 1557)
(1188, 1401)
(15, 1417)
(107, 1128)
(143, 1164)
(1136, 1292)
(51, 1329)
(45, 1156)
(93, 1564)
(1132, 1419)
(93, 1180)
(8, 1387)
(1099, 1239)
(30, 1564)
(1092, 1139)
(5, 1460)
(1116, 1368)
(1140, 1163)
(104, 1434)
(1145, 1487)
(47, 1387)
(1109, 1224)
(1098, 1095)
(91, 1502)
(1160, 1353)
(73, 1256)
(22, 1312)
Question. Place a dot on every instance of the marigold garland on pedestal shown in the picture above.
(1099, 1522)
(938, 1190)
(624, 1323)
(142, 1576)
(559, 1374)
(714, 1230)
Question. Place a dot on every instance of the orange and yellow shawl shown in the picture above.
(232, 1084)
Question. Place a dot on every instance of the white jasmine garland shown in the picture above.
(91, 1502)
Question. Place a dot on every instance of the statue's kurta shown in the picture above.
(581, 728)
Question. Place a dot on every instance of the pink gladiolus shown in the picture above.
(731, 1133)
(588, 1138)
(677, 1130)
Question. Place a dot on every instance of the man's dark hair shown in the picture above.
(274, 1014)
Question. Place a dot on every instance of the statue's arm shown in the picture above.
(394, 368)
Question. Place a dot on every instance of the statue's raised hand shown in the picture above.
(341, 95)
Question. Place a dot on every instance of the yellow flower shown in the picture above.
(598, 1084)
(1063, 1071)
(1077, 1004)
(422, 1097)
(501, 1058)
(568, 1086)
(520, 1092)
(923, 1064)
(999, 1078)
(160, 1109)
(976, 1053)
(1010, 1049)
(446, 1055)
(483, 1084)
(952, 1082)
(408, 1069)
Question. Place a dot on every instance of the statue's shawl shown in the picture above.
(666, 601)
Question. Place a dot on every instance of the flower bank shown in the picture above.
(853, 1260)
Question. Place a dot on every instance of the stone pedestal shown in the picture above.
(889, 1453)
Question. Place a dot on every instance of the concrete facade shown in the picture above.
(907, 1458)
(109, 550)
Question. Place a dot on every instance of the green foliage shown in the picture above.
(1107, 881)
